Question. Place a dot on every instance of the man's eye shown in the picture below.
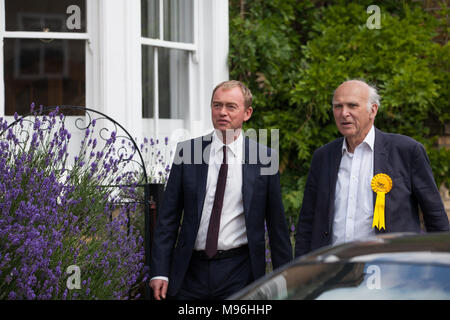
(337, 106)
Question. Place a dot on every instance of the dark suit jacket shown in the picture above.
(185, 193)
(403, 159)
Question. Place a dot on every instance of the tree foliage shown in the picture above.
(293, 54)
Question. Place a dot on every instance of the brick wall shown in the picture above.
(444, 142)
(445, 195)
(434, 6)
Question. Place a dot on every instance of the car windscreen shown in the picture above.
(357, 281)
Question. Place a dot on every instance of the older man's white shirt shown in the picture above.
(353, 202)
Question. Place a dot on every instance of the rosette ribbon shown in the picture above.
(381, 184)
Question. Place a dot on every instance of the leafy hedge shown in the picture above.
(293, 54)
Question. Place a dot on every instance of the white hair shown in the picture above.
(374, 97)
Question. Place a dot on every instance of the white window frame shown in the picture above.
(90, 37)
(192, 49)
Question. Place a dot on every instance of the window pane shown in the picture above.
(46, 15)
(147, 81)
(150, 19)
(178, 20)
(47, 72)
(173, 82)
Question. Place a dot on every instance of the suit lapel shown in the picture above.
(335, 161)
(380, 159)
(249, 173)
(202, 171)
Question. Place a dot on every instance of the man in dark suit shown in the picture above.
(339, 201)
(209, 240)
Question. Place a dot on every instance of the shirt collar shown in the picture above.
(235, 147)
(369, 140)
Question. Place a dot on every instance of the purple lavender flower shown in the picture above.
(49, 221)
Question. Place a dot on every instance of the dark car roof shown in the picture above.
(383, 246)
(431, 248)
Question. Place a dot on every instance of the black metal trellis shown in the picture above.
(152, 192)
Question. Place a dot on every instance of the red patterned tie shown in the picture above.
(214, 221)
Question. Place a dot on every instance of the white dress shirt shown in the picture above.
(353, 202)
(232, 232)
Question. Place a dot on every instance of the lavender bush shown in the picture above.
(53, 215)
(157, 158)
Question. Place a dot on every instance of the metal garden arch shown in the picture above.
(85, 118)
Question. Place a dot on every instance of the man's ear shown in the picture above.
(373, 111)
(248, 113)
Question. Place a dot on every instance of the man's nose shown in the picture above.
(223, 111)
(346, 111)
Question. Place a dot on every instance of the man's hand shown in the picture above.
(159, 288)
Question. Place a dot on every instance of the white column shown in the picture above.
(212, 56)
(2, 77)
(93, 58)
(133, 68)
(112, 59)
(220, 41)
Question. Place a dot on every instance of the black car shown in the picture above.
(392, 266)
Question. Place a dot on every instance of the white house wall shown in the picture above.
(121, 68)
(114, 66)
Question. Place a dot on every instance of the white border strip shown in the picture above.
(45, 35)
(168, 44)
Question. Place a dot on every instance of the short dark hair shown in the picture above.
(235, 83)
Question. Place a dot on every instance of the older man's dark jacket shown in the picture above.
(403, 159)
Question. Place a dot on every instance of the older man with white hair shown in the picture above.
(366, 182)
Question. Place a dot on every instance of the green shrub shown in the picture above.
(294, 54)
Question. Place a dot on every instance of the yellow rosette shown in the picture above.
(381, 184)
